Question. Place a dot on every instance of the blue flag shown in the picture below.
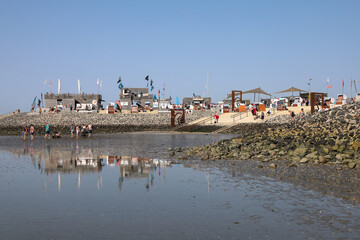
(152, 87)
(121, 86)
(177, 100)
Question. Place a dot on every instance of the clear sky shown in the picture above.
(242, 44)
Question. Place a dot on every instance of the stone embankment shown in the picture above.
(103, 123)
(328, 137)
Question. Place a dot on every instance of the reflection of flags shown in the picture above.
(329, 86)
(121, 86)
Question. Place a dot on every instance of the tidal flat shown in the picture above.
(131, 186)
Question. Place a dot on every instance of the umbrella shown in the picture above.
(257, 90)
(292, 90)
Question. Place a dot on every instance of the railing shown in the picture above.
(195, 125)
(240, 114)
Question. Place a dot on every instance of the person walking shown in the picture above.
(262, 115)
(47, 131)
(32, 129)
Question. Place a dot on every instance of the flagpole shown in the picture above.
(327, 86)
(351, 89)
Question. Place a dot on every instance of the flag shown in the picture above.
(119, 80)
(98, 81)
(152, 87)
(343, 82)
(329, 86)
(121, 86)
(147, 78)
(147, 85)
(101, 83)
(159, 94)
(45, 81)
(50, 83)
(177, 100)
(351, 83)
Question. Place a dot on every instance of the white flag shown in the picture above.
(97, 82)
(101, 83)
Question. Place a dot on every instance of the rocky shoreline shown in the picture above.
(102, 123)
(330, 137)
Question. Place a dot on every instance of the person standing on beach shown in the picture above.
(262, 115)
(77, 131)
(90, 129)
(32, 129)
(24, 132)
(47, 131)
(72, 129)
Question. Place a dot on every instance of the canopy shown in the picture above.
(292, 89)
(257, 90)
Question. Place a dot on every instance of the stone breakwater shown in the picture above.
(330, 137)
(102, 123)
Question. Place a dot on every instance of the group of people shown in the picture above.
(26, 130)
(301, 114)
(74, 129)
(83, 130)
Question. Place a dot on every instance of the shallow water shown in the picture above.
(124, 186)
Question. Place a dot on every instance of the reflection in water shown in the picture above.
(80, 160)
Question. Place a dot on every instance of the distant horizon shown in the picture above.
(238, 45)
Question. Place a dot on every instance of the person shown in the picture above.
(72, 129)
(32, 108)
(254, 112)
(90, 129)
(70, 107)
(24, 132)
(262, 115)
(302, 113)
(216, 118)
(268, 112)
(77, 131)
(32, 129)
(47, 131)
(292, 114)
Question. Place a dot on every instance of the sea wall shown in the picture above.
(103, 123)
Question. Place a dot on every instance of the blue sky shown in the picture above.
(242, 44)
